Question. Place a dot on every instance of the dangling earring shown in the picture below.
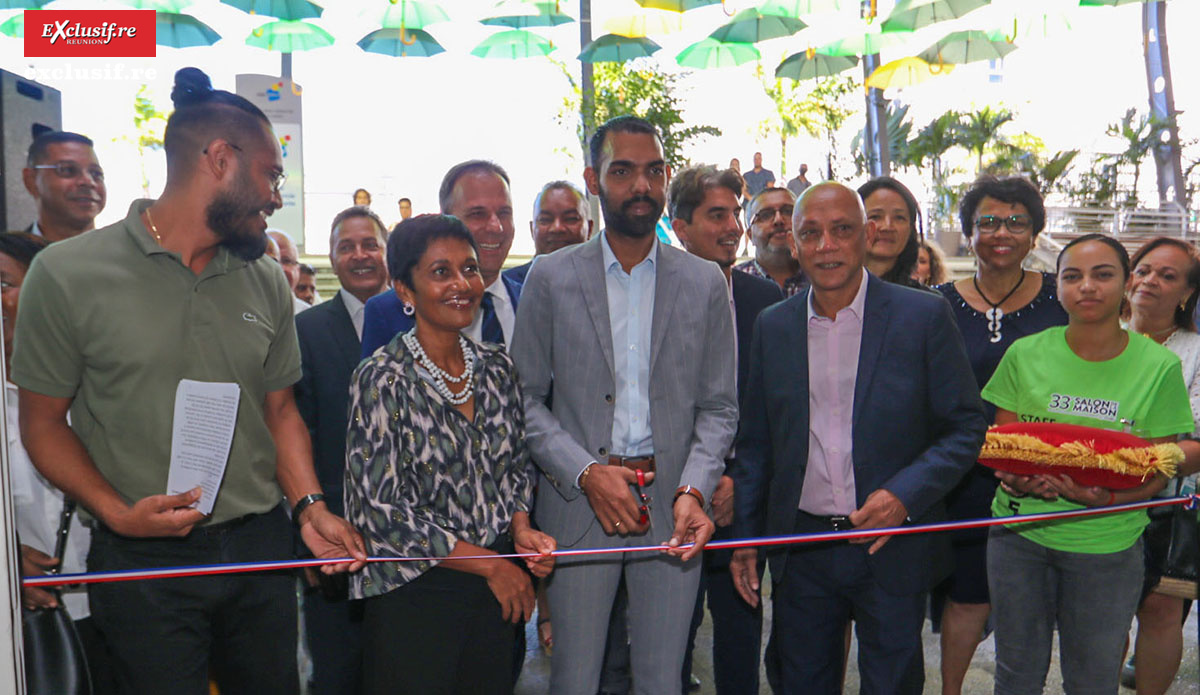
(409, 309)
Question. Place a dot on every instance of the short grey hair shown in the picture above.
(355, 211)
(561, 185)
(450, 180)
(756, 201)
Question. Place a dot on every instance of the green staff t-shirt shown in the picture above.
(1042, 380)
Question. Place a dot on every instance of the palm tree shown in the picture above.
(976, 131)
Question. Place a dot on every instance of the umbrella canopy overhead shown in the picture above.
(808, 65)
(752, 26)
(401, 43)
(523, 15)
(182, 31)
(910, 15)
(676, 5)
(289, 37)
(711, 53)
(645, 23)
(157, 5)
(14, 26)
(614, 48)
(411, 14)
(22, 4)
(512, 45)
(967, 47)
(904, 72)
(804, 8)
(862, 43)
(287, 10)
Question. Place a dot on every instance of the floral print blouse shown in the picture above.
(420, 476)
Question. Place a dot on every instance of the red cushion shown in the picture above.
(1099, 440)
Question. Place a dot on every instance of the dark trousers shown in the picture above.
(333, 627)
(168, 635)
(737, 632)
(100, 667)
(440, 633)
(824, 584)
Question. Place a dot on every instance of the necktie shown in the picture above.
(490, 325)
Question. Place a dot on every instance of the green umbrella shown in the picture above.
(861, 44)
(810, 64)
(157, 5)
(909, 15)
(967, 47)
(289, 37)
(804, 8)
(513, 44)
(676, 5)
(22, 4)
(614, 48)
(182, 31)
(711, 53)
(14, 26)
(288, 10)
(401, 43)
(522, 15)
(752, 26)
(412, 14)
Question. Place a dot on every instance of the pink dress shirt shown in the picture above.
(833, 347)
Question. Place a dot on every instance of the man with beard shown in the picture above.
(634, 443)
(770, 215)
(112, 323)
(560, 218)
(329, 350)
(65, 179)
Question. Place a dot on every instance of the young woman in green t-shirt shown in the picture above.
(1083, 576)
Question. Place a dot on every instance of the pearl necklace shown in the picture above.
(441, 376)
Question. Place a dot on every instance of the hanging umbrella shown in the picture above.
(967, 47)
(904, 72)
(862, 43)
(513, 44)
(752, 26)
(805, 8)
(411, 43)
(614, 48)
(288, 10)
(810, 64)
(645, 23)
(182, 31)
(289, 37)
(910, 15)
(411, 14)
(14, 26)
(523, 15)
(22, 4)
(711, 53)
(157, 5)
(1024, 20)
(676, 5)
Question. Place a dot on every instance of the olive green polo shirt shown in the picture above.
(114, 321)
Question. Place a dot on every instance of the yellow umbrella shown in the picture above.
(904, 72)
(645, 23)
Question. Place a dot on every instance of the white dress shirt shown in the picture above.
(505, 312)
(630, 316)
(355, 309)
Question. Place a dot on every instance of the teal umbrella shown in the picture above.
(861, 44)
(512, 45)
(614, 48)
(909, 15)
(182, 31)
(412, 14)
(752, 26)
(289, 37)
(22, 4)
(411, 43)
(289, 10)
(810, 64)
(157, 5)
(14, 26)
(711, 53)
(676, 5)
(967, 47)
(523, 15)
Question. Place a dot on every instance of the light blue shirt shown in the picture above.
(630, 313)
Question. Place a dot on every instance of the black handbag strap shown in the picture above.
(64, 528)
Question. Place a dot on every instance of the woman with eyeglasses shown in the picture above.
(1081, 577)
(1001, 302)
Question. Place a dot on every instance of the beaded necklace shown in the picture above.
(441, 376)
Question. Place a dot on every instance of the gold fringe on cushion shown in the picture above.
(1139, 461)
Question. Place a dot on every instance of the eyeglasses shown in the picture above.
(1016, 224)
(278, 176)
(841, 232)
(768, 214)
(71, 170)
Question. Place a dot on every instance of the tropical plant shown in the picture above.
(830, 103)
(929, 146)
(149, 123)
(1141, 134)
(899, 127)
(978, 130)
(792, 117)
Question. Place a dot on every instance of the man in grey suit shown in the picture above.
(636, 339)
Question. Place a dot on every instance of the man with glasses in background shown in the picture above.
(65, 179)
(770, 215)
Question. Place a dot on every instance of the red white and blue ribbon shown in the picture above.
(1190, 501)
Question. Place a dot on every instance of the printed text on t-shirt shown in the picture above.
(1097, 408)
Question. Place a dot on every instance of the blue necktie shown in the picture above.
(490, 326)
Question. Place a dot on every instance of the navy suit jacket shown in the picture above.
(918, 424)
(383, 316)
(329, 353)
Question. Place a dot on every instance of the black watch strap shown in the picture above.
(304, 503)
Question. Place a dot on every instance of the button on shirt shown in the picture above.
(833, 347)
(630, 312)
(505, 312)
(355, 309)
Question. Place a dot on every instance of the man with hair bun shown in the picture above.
(120, 316)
